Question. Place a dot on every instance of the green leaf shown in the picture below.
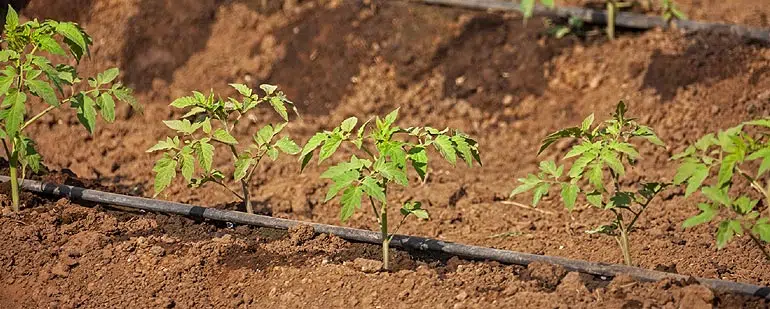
(464, 148)
(74, 37)
(108, 76)
(341, 168)
(727, 168)
(317, 140)
(540, 191)
(613, 162)
(596, 176)
(625, 148)
(182, 126)
(526, 184)
(391, 171)
(696, 179)
(341, 182)
(569, 194)
(685, 171)
(716, 195)
(419, 158)
(444, 145)
(329, 147)
(205, 153)
(242, 89)
(351, 199)
(242, 166)
(184, 102)
(107, 105)
(223, 136)
(272, 153)
(373, 189)
(594, 198)
(50, 45)
(5, 83)
(162, 145)
(188, 163)
(268, 89)
(725, 233)
(348, 124)
(11, 19)
(287, 145)
(707, 214)
(580, 149)
(580, 164)
(15, 117)
(390, 118)
(548, 3)
(280, 107)
(264, 135)
(165, 172)
(647, 133)
(586, 126)
(555, 136)
(762, 228)
(744, 205)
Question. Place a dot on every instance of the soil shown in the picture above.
(488, 74)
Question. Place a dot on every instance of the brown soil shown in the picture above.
(486, 74)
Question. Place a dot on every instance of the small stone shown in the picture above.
(461, 296)
(367, 266)
(157, 251)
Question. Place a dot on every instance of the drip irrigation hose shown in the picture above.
(402, 241)
(622, 19)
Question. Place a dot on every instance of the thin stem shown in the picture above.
(228, 188)
(14, 180)
(760, 245)
(611, 11)
(623, 242)
(395, 231)
(374, 209)
(36, 117)
(385, 239)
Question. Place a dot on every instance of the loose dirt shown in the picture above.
(484, 73)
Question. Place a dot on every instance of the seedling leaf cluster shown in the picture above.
(210, 121)
(600, 161)
(388, 152)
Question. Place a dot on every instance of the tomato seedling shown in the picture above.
(210, 121)
(527, 7)
(388, 150)
(27, 72)
(732, 156)
(602, 154)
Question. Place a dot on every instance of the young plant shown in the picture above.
(597, 173)
(736, 157)
(387, 152)
(28, 73)
(210, 121)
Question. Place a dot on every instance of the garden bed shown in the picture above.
(487, 74)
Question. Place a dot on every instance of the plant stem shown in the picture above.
(759, 244)
(228, 188)
(36, 117)
(12, 162)
(623, 242)
(385, 238)
(612, 8)
(246, 197)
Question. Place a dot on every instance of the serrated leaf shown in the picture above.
(625, 148)
(579, 149)
(162, 145)
(762, 228)
(540, 191)
(182, 126)
(696, 179)
(223, 136)
(109, 75)
(724, 234)
(242, 89)
(526, 184)
(744, 205)
(351, 199)
(373, 189)
(205, 153)
(272, 153)
(11, 19)
(444, 145)
(594, 198)
(464, 149)
(280, 107)
(287, 145)
(50, 45)
(580, 164)
(317, 140)
(341, 168)
(716, 195)
(165, 172)
(569, 194)
(242, 166)
(685, 171)
(586, 125)
(87, 113)
(188, 163)
(348, 124)
(268, 89)
(419, 158)
(707, 214)
(107, 104)
(329, 147)
(727, 168)
(390, 118)
(613, 162)
(74, 38)
(5, 83)
(555, 136)
(391, 171)
(596, 176)
(184, 102)
(341, 182)
(16, 111)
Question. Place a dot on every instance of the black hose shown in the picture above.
(623, 19)
(403, 241)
